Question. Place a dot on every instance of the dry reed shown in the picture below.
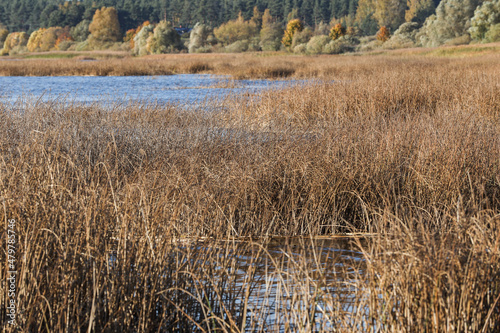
(130, 218)
(239, 66)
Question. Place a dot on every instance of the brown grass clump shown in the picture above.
(131, 218)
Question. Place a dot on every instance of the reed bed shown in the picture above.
(239, 66)
(146, 217)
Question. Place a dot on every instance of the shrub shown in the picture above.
(254, 44)
(300, 49)
(351, 31)
(164, 39)
(302, 37)
(368, 43)
(337, 31)
(49, 38)
(82, 46)
(237, 47)
(403, 37)
(292, 28)
(65, 45)
(141, 40)
(341, 45)
(383, 34)
(200, 39)
(317, 43)
(321, 29)
(460, 40)
(485, 16)
(63, 37)
(18, 49)
(80, 32)
(493, 35)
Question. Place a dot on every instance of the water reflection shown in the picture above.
(286, 284)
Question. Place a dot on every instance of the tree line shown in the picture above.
(300, 26)
(30, 15)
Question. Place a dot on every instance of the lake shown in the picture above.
(183, 89)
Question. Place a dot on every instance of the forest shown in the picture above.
(300, 26)
(29, 15)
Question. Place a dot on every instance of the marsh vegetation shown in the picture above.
(138, 218)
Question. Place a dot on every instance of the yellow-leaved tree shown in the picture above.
(104, 28)
(292, 27)
(337, 31)
(48, 39)
(236, 30)
(14, 42)
(3, 35)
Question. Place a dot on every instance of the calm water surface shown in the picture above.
(183, 89)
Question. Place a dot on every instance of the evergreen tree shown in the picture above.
(276, 9)
(306, 12)
(419, 10)
(390, 13)
(271, 33)
(365, 19)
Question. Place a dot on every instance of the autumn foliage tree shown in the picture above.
(131, 33)
(14, 40)
(337, 31)
(48, 39)
(235, 30)
(35, 40)
(292, 27)
(63, 38)
(383, 34)
(3, 35)
(104, 27)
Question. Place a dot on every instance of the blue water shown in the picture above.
(179, 89)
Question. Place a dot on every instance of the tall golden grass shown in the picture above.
(132, 218)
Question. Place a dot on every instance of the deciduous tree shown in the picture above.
(235, 30)
(164, 39)
(105, 27)
(485, 16)
(271, 33)
(292, 27)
